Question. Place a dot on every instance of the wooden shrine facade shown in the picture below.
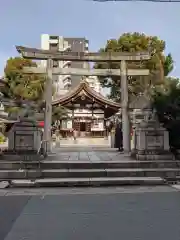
(87, 111)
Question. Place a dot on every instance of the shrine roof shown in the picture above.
(84, 89)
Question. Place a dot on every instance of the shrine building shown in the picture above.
(88, 111)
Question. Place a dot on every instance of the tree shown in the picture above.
(167, 87)
(159, 64)
(58, 112)
(166, 101)
(22, 86)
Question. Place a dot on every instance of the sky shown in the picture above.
(22, 22)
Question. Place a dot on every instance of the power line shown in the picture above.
(164, 1)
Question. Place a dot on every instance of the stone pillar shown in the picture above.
(112, 137)
(124, 104)
(57, 138)
(48, 108)
(166, 141)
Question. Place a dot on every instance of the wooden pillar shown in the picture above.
(72, 115)
(92, 116)
(105, 131)
(124, 104)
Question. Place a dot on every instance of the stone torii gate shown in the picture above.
(123, 72)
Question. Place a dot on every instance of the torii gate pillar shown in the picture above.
(48, 108)
(32, 53)
(124, 105)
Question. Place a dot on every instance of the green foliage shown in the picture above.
(58, 112)
(168, 64)
(13, 110)
(159, 64)
(166, 101)
(2, 127)
(2, 139)
(20, 85)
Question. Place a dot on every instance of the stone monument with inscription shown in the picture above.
(24, 136)
(151, 140)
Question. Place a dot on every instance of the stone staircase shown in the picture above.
(72, 173)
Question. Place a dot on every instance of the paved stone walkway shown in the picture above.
(87, 154)
(115, 214)
(85, 142)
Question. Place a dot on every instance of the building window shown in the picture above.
(53, 37)
(53, 47)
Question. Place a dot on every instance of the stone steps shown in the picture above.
(89, 173)
(89, 182)
(16, 165)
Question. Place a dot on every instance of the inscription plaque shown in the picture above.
(154, 142)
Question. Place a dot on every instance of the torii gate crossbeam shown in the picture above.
(123, 72)
(87, 72)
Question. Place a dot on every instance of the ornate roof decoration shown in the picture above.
(84, 90)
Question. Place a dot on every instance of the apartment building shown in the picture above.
(64, 83)
(94, 83)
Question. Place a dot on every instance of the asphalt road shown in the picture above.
(90, 214)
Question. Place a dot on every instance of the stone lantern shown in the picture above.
(151, 140)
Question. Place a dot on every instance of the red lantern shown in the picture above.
(41, 124)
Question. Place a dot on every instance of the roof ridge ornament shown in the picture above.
(83, 80)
